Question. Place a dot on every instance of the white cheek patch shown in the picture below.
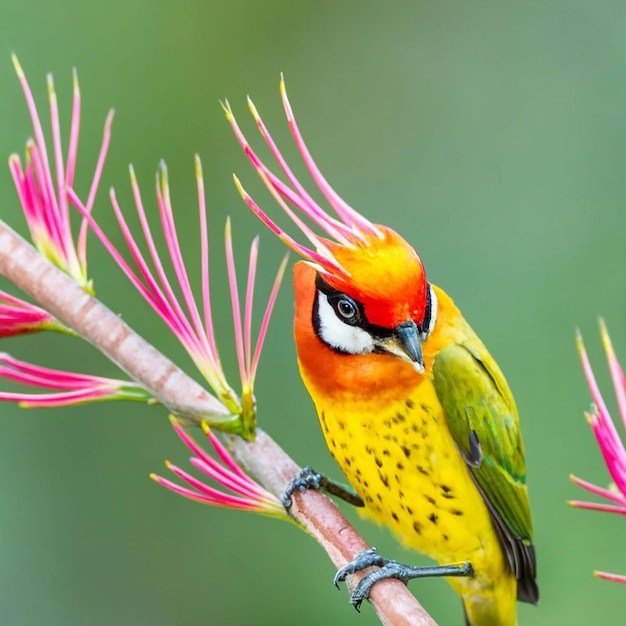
(338, 334)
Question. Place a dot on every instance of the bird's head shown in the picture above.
(372, 295)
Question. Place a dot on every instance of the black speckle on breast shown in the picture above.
(384, 479)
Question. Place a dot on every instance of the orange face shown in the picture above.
(385, 275)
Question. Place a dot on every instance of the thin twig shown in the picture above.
(57, 293)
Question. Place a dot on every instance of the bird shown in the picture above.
(413, 408)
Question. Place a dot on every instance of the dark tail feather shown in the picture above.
(527, 590)
(520, 552)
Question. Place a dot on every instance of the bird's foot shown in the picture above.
(305, 479)
(391, 569)
(308, 479)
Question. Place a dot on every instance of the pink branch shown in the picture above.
(67, 301)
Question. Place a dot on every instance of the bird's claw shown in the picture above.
(390, 569)
(365, 558)
(305, 479)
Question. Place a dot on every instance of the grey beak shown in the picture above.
(409, 337)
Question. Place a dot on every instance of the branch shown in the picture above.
(60, 295)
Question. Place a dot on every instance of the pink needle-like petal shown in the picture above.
(616, 578)
(43, 195)
(348, 215)
(194, 330)
(67, 388)
(234, 299)
(607, 437)
(618, 498)
(266, 317)
(245, 494)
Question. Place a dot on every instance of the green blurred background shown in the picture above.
(492, 135)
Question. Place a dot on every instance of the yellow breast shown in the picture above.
(401, 459)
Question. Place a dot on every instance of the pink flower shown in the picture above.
(192, 325)
(607, 437)
(18, 317)
(69, 388)
(44, 199)
(43, 196)
(245, 494)
(349, 228)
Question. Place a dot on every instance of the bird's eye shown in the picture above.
(346, 309)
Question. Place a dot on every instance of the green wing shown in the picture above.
(482, 417)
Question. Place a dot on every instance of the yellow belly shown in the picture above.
(401, 459)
